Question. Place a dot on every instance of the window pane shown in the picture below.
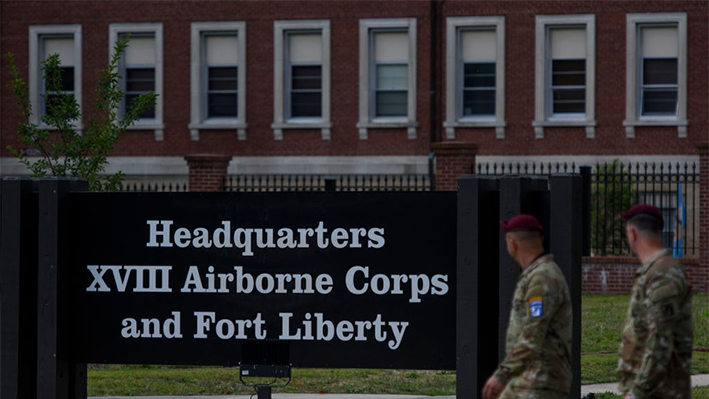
(660, 71)
(306, 78)
(140, 73)
(392, 77)
(140, 50)
(223, 79)
(140, 79)
(67, 78)
(569, 101)
(306, 104)
(479, 44)
(478, 102)
(479, 75)
(392, 103)
(568, 72)
(148, 113)
(659, 102)
(222, 105)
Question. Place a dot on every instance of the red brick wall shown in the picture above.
(453, 160)
(615, 275)
(207, 173)
(610, 80)
(704, 203)
(176, 16)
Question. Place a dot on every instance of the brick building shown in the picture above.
(543, 80)
(332, 87)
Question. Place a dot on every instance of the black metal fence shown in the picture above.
(271, 183)
(672, 187)
(155, 187)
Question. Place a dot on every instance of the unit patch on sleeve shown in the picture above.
(535, 306)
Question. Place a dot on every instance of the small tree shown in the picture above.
(63, 150)
(612, 193)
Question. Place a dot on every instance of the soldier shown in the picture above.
(538, 361)
(656, 343)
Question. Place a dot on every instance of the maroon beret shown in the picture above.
(643, 209)
(521, 222)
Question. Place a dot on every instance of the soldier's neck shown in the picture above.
(527, 259)
(647, 252)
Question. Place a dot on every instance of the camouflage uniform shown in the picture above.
(538, 362)
(656, 344)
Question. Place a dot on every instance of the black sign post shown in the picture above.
(567, 242)
(58, 376)
(485, 270)
(476, 320)
(18, 294)
(517, 195)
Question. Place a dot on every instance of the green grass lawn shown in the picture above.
(697, 393)
(603, 317)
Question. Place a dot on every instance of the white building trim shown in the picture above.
(198, 121)
(454, 81)
(366, 120)
(632, 112)
(35, 70)
(542, 116)
(114, 30)
(279, 64)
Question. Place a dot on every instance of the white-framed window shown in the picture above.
(656, 71)
(218, 77)
(64, 40)
(475, 74)
(565, 75)
(387, 71)
(301, 76)
(142, 70)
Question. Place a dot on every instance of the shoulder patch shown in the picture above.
(662, 293)
(535, 306)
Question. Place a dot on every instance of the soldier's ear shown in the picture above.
(632, 233)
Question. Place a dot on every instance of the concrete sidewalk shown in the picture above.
(700, 380)
(697, 381)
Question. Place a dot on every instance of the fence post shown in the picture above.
(18, 289)
(207, 173)
(453, 159)
(57, 376)
(566, 237)
(330, 184)
(703, 149)
(586, 177)
(477, 256)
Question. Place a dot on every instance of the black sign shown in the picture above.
(349, 279)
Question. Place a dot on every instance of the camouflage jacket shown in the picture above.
(539, 332)
(656, 343)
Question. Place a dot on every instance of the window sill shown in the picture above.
(157, 128)
(475, 124)
(388, 123)
(224, 124)
(681, 125)
(278, 128)
(590, 126)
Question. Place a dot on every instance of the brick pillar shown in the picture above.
(703, 149)
(207, 172)
(453, 159)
